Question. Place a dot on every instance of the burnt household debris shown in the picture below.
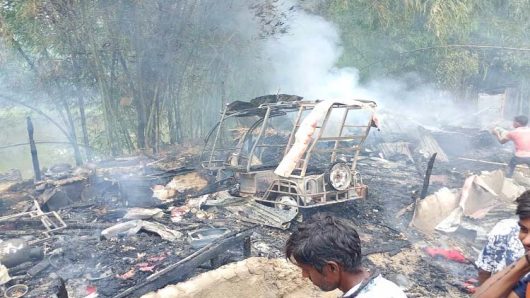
(212, 221)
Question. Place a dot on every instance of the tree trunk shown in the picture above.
(81, 103)
(73, 134)
(138, 103)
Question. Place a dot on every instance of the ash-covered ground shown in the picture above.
(78, 260)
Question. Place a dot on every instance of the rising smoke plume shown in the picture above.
(304, 61)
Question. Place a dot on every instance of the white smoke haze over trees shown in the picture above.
(119, 76)
(304, 60)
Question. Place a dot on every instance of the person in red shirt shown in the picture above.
(520, 136)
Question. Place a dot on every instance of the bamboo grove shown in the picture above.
(125, 75)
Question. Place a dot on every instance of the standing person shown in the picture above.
(328, 250)
(502, 249)
(520, 136)
(512, 282)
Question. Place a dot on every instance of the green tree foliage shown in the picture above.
(435, 38)
(150, 72)
(126, 75)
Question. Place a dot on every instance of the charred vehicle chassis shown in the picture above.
(289, 152)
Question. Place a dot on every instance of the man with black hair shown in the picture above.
(328, 250)
(512, 282)
(520, 136)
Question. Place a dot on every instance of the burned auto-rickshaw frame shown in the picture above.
(306, 186)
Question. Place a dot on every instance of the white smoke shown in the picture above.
(304, 62)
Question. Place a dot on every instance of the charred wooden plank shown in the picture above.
(41, 266)
(427, 178)
(247, 246)
(180, 270)
(393, 248)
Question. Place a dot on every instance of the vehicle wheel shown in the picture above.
(286, 202)
(339, 176)
(234, 190)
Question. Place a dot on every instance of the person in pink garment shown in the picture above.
(520, 136)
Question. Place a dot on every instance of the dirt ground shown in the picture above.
(253, 277)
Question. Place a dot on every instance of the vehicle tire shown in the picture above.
(286, 202)
(339, 176)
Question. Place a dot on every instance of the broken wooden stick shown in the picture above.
(391, 248)
(427, 178)
(490, 162)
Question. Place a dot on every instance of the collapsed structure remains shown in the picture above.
(134, 226)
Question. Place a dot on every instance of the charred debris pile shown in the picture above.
(129, 226)
(124, 227)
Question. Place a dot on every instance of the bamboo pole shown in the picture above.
(489, 162)
(44, 142)
(33, 148)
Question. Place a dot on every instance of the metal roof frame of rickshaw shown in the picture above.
(262, 111)
(314, 141)
(269, 108)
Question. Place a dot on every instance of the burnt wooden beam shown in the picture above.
(180, 270)
(392, 248)
(41, 266)
(427, 178)
(20, 269)
(247, 247)
(33, 148)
